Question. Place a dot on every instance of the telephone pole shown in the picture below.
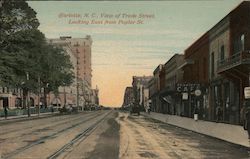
(77, 79)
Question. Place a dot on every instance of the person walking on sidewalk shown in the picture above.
(196, 113)
(218, 114)
(247, 121)
(5, 112)
(243, 116)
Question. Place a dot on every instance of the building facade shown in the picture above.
(139, 84)
(128, 97)
(172, 75)
(195, 78)
(229, 63)
(79, 50)
(155, 88)
(215, 73)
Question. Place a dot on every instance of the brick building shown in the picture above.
(218, 64)
(229, 63)
(170, 102)
(195, 77)
(128, 98)
(155, 88)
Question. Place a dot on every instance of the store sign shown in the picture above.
(185, 96)
(247, 92)
(197, 92)
(189, 87)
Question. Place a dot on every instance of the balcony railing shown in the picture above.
(233, 61)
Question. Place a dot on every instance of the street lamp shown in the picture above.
(27, 98)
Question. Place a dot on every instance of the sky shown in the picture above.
(130, 38)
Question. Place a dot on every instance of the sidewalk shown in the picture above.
(26, 116)
(231, 133)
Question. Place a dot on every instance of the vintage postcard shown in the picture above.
(124, 79)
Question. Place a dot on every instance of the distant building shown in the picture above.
(152, 93)
(155, 86)
(128, 98)
(139, 84)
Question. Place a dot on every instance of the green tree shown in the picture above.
(57, 70)
(26, 59)
(15, 17)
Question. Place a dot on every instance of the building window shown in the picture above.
(242, 39)
(198, 70)
(212, 64)
(222, 53)
(239, 44)
(204, 68)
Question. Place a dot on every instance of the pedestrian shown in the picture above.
(243, 116)
(247, 121)
(149, 109)
(218, 113)
(196, 112)
(5, 112)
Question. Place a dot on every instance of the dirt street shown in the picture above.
(142, 137)
(108, 135)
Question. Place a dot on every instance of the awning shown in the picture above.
(168, 99)
(69, 101)
(5, 95)
(186, 62)
(56, 101)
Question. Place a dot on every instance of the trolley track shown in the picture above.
(65, 117)
(42, 128)
(78, 138)
(44, 138)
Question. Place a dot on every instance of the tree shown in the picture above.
(16, 18)
(57, 70)
(26, 59)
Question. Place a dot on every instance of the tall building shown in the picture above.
(79, 50)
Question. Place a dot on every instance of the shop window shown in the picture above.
(242, 39)
(212, 64)
(239, 44)
(222, 53)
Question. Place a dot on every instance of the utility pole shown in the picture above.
(39, 91)
(77, 79)
(28, 97)
(65, 100)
